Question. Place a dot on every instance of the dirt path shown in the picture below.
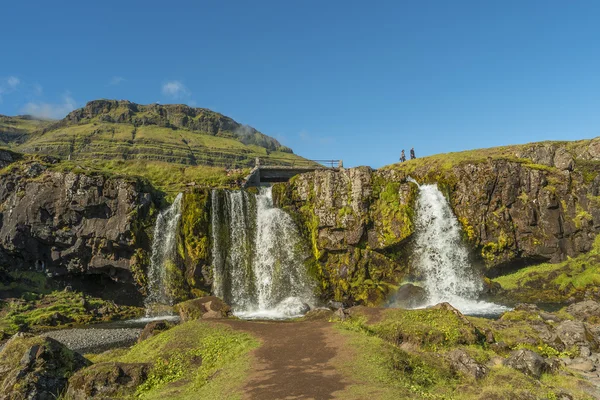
(294, 361)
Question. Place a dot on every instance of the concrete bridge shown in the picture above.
(267, 171)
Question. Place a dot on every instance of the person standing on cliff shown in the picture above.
(402, 156)
(412, 154)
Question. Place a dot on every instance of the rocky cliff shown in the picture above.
(68, 224)
(518, 206)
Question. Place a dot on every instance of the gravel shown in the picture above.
(93, 340)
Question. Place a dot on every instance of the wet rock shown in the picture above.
(107, 380)
(34, 367)
(154, 328)
(409, 296)
(462, 362)
(527, 362)
(208, 307)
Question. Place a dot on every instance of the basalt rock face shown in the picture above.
(520, 205)
(355, 220)
(71, 224)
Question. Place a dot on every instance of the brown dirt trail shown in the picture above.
(295, 360)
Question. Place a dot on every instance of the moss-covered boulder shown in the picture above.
(114, 380)
(208, 307)
(154, 328)
(34, 367)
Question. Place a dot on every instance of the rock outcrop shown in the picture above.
(209, 307)
(517, 205)
(112, 380)
(67, 223)
(33, 367)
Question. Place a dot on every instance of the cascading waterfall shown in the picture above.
(443, 259)
(258, 256)
(163, 254)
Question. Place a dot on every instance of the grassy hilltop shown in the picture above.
(171, 145)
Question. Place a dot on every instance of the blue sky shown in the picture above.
(331, 79)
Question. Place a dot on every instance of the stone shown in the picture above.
(563, 160)
(461, 361)
(107, 380)
(527, 362)
(209, 307)
(409, 296)
(576, 333)
(34, 367)
(154, 328)
(585, 310)
(585, 366)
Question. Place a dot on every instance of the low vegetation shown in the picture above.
(553, 283)
(191, 361)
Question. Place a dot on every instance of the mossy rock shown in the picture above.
(209, 307)
(107, 380)
(34, 367)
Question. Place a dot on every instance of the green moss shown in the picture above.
(193, 360)
(555, 282)
(393, 210)
(194, 235)
(60, 309)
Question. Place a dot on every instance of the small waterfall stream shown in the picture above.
(442, 257)
(258, 256)
(163, 253)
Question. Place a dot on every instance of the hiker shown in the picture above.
(402, 156)
(412, 154)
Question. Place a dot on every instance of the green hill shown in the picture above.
(16, 130)
(122, 130)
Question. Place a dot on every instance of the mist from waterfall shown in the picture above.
(164, 253)
(258, 256)
(442, 258)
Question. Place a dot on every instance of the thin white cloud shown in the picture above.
(51, 110)
(175, 90)
(12, 82)
(8, 85)
(115, 80)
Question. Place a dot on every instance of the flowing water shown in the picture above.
(258, 257)
(443, 259)
(163, 256)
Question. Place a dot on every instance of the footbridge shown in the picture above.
(273, 170)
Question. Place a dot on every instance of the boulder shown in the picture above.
(527, 362)
(208, 307)
(154, 328)
(576, 333)
(107, 380)
(585, 310)
(35, 367)
(462, 362)
(409, 296)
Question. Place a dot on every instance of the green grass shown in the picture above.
(192, 360)
(124, 141)
(564, 279)
(383, 369)
(57, 309)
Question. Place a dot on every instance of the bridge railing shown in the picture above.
(291, 162)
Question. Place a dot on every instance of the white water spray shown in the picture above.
(443, 259)
(258, 257)
(163, 254)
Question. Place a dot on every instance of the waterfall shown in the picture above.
(442, 258)
(258, 256)
(163, 257)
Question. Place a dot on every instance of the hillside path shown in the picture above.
(295, 360)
